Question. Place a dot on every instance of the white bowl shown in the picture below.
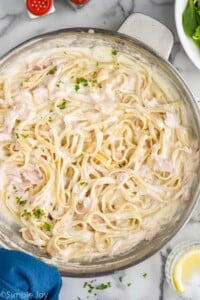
(189, 46)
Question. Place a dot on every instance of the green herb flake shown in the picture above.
(103, 286)
(20, 201)
(17, 135)
(38, 213)
(63, 105)
(82, 183)
(79, 81)
(120, 278)
(78, 298)
(59, 83)
(114, 52)
(46, 226)
(18, 121)
(51, 110)
(77, 87)
(52, 71)
(26, 214)
(24, 135)
(14, 188)
(129, 284)
(85, 284)
(144, 275)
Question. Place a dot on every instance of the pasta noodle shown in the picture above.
(96, 151)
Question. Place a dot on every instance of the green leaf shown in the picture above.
(189, 19)
(198, 15)
(196, 36)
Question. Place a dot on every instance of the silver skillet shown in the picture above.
(151, 39)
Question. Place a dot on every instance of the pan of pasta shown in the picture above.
(99, 150)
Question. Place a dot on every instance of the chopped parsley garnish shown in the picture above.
(94, 82)
(38, 213)
(14, 188)
(24, 135)
(103, 286)
(20, 201)
(26, 214)
(18, 121)
(17, 135)
(51, 110)
(63, 105)
(129, 284)
(144, 275)
(53, 70)
(82, 183)
(46, 226)
(114, 52)
(120, 278)
(79, 81)
(82, 80)
(59, 83)
(77, 87)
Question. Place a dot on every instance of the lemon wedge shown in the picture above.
(185, 267)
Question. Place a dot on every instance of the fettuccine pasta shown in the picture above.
(96, 151)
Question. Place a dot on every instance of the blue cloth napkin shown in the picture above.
(25, 277)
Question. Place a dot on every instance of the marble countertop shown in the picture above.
(146, 280)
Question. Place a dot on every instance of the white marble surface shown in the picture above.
(15, 27)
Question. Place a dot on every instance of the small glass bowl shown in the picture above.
(173, 257)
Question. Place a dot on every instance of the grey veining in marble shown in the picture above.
(15, 27)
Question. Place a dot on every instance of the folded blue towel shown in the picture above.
(25, 277)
